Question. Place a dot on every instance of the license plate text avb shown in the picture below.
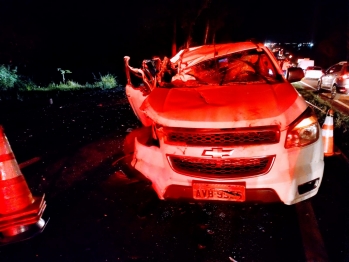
(215, 191)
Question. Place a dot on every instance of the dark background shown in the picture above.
(93, 37)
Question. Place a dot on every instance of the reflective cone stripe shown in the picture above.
(8, 167)
(327, 132)
(5, 157)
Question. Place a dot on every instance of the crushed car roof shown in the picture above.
(194, 55)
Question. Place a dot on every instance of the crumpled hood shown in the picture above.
(225, 106)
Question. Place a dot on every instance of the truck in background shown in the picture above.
(305, 62)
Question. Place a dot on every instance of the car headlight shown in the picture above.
(303, 131)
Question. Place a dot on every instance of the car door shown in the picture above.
(330, 75)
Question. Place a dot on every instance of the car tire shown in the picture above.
(318, 87)
(333, 91)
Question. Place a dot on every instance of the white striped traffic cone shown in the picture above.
(20, 211)
(327, 134)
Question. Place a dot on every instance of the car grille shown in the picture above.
(221, 168)
(221, 137)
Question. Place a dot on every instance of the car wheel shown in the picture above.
(318, 87)
(333, 92)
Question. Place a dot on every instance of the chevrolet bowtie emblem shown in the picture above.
(218, 152)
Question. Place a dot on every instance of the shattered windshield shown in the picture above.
(249, 66)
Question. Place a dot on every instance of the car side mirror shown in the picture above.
(294, 74)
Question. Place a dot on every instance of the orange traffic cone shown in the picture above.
(20, 212)
(327, 134)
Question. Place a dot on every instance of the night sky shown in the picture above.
(92, 37)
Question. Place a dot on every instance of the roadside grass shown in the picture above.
(11, 81)
(8, 77)
(321, 107)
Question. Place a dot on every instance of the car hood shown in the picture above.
(240, 105)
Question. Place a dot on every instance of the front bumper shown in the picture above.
(285, 182)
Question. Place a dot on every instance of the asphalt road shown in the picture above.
(98, 209)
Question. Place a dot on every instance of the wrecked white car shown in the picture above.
(221, 123)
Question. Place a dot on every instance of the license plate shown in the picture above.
(215, 191)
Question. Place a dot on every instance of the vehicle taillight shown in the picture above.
(303, 131)
(343, 77)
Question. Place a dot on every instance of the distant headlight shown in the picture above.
(303, 131)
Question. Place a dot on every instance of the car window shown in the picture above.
(333, 69)
(330, 70)
(249, 66)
